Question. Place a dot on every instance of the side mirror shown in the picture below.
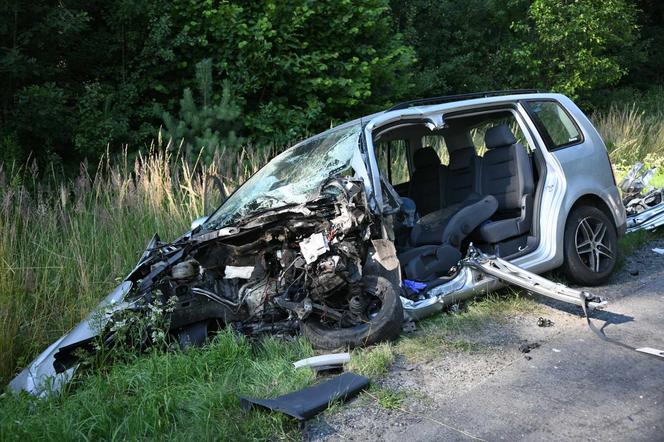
(198, 222)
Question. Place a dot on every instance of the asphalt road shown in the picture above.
(575, 386)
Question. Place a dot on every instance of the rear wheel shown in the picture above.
(383, 318)
(591, 246)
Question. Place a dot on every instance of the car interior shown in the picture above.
(474, 180)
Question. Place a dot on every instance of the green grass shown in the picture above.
(373, 362)
(632, 135)
(174, 396)
(387, 398)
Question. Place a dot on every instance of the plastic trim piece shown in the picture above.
(310, 401)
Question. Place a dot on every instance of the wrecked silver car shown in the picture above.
(392, 216)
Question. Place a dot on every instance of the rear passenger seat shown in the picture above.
(428, 181)
(460, 185)
(462, 178)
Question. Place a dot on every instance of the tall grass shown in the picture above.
(64, 245)
(632, 135)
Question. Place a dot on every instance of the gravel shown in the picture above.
(434, 383)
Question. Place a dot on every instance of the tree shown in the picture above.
(298, 65)
(98, 68)
(576, 46)
(210, 126)
(561, 45)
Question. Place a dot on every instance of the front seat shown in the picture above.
(425, 185)
(507, 175)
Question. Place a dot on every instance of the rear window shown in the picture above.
(556, 125)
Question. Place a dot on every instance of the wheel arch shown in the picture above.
(591, 199)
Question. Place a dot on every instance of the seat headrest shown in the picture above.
(499, 136)
(458, 140)
(425, 157)
(462, 158)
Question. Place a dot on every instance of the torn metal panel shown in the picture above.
(644, 205)
(507, 272)
(479, 274)
(649, 218)
(40, 377)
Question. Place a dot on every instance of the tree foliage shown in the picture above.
(572, 47)
(81, 76)
(561, 45)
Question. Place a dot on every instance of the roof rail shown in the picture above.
(448, 98)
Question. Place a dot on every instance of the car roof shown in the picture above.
(452, 102)
(414, 108)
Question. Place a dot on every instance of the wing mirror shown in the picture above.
(198, 222)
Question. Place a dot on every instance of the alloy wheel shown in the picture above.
(593, 245)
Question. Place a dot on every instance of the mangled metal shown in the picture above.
(644, 205)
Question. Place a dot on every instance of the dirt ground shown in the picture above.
(500, 392)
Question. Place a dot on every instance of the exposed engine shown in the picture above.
(271, 272)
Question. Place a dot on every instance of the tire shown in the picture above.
(386, 325)
(590, 246)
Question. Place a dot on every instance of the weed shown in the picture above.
(372, 362)
(388, 398)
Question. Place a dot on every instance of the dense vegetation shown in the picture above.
(81, 77)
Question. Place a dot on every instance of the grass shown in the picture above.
(387, 398)
(175, 396)
(373, 362)
(631, 135)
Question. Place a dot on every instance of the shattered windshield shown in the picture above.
(293, 177)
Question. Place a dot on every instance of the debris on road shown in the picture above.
(324, 362)
(310, 401)
(644, 205)
(544, 322)
(527, 346)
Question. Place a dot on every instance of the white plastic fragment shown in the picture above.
(313, 247)
(323, 361)
(651, 351)
(658, 251)
(242, 272)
